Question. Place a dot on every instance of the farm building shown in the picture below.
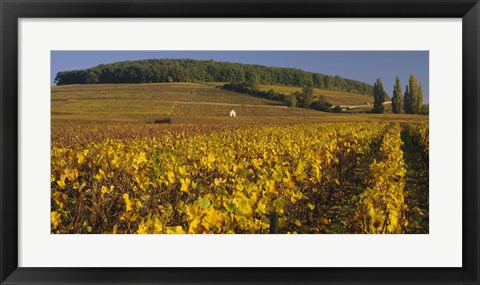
(233, 113)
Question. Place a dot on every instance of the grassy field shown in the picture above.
(334, 97)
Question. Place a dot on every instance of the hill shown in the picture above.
(148, 102)
(188, 70)
(182, 92)
(332, 96)
(182, 103)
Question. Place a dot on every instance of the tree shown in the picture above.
(292, 100)
(318, 80)
(407, 101)
(425, 109)
(397, 102)
(379, 95)
(271, 94)
(252, 77)
(304, 98)
(339, 83)
(413, 100)
(188, 70)
(413, 87)
(308, 79)
(307, 90)
(328, 82)
(92, 78)
(321, 104)
(420, 99)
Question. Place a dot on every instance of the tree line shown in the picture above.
(189, 70)
(411, 101)
(301, 99)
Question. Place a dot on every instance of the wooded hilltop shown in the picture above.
(189, 70)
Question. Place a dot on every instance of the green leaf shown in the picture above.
(203, 202)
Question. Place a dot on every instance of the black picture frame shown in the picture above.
(11, 11)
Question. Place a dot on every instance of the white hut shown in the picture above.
(233, 113)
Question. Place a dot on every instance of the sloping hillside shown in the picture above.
(179, 92)
(334, 97)
(187, 103)
(182, 102)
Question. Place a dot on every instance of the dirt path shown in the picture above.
(342, 210)
(416, 186)
(180, 102)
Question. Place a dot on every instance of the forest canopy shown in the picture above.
(189, 70)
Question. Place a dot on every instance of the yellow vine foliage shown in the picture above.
(382, 207)
(229, 181)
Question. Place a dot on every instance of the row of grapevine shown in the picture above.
(220, 182)
(419, 132)
(382, 208)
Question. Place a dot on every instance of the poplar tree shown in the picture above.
(397, 102)
(413, 87)
(407, 101)
(420, 98)
(379, 95)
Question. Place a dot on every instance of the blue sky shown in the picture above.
(364, 66)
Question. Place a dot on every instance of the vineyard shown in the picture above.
(342, 177)
(194, 103)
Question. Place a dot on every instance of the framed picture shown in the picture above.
(226, 142)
